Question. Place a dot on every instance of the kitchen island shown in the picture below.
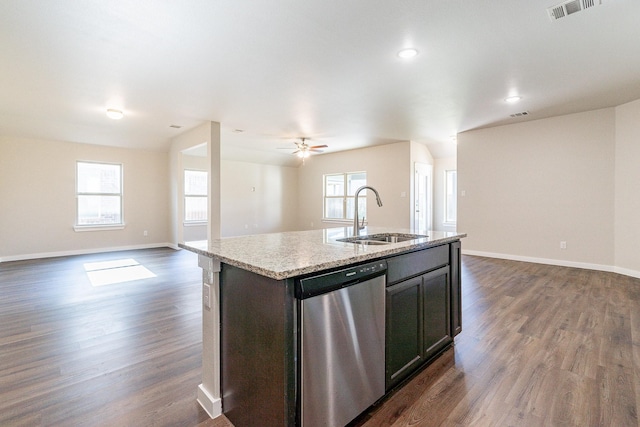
(252, 322)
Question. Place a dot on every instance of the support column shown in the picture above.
(213, 154)
(209, 390)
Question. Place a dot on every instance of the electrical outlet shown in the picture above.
(206, 295)
(563, 245)
(145, 233)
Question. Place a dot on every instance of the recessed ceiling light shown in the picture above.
(513, 99)
(114, 114)
(408, 53)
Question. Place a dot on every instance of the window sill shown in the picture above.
(342, 222)
(81, 228)
(194, 223)
(449, 224)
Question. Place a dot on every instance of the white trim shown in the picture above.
(194, 223)
(23, 257)
(119, 194)
(559, 262)
(96, 227)
(211, 405)
(338, 221)
(627, 272)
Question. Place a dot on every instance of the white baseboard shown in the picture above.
(23, 257)
(212, 405)
(627, 272)
(173, 246)
(562, 263)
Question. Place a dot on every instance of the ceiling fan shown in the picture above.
(304, 150)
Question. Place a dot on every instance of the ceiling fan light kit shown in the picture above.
(304, 150)
(114, 114)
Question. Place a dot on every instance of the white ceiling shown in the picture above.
(327, 70)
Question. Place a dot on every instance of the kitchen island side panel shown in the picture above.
(257, 349)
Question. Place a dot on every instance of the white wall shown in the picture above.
(389, 171)
(531, 185)
(627, 195)
(258, 198)
(37, 190)
(440, 167)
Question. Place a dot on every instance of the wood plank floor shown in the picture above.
(541, 346)
(125, 354)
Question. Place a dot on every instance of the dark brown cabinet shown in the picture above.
(436, 312)
(403, 330)
(456, 289)
(419, 310)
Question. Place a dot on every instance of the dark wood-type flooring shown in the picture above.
(541, 346)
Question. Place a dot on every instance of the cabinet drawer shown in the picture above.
(412, 264)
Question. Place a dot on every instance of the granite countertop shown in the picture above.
(295, 253)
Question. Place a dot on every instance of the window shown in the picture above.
(195, 196)
(450, 198)
(99, 194)
(339, 192)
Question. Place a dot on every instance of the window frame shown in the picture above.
(454, 199)
(99, 226)
(186, 195)
(345, 197)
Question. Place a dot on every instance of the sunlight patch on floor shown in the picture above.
(116, 271)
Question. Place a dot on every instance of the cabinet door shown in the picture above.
(456, 290)
(403, 330)
(436, 307)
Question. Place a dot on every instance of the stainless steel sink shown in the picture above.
(365, 241)
(382, 239)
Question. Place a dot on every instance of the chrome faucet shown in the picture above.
(357, 227)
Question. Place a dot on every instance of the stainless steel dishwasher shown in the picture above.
(342, 337)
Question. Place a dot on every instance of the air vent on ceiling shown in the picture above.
(521, 114)
(570, 7)
(175, 126)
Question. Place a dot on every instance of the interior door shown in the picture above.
(423, 196)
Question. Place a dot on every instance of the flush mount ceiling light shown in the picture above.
(408, 53)
(114, 114)
(513, 99)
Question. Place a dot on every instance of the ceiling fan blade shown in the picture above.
(316, 151)
(297, 151)
(320, 146)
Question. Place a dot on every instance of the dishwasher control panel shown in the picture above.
(327, 282)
